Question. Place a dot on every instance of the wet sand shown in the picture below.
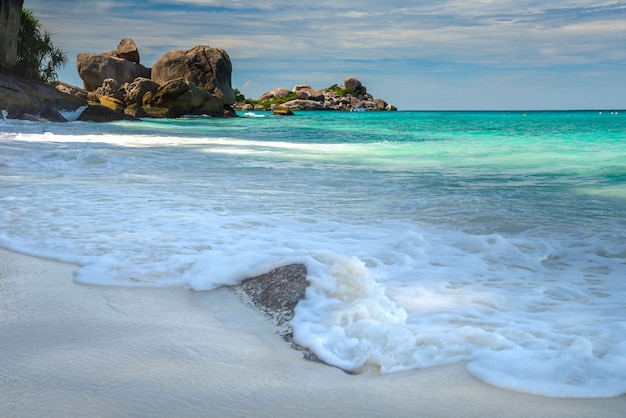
(71, 350)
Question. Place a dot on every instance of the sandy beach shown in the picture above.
(74, 350)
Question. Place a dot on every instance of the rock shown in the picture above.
(368, 104)
(299, 87)
(99, 113)
(310, 94)
(303, 105)
(208, 68)
(169, 91)
(71, 90)
(184, 97)
(19, 96)
(212, 106)
(276, 93)
(53, 115)
(135, 110)
(157, 112)
(353, 85)
(247, 106)
(282, 111)
(10, 17)
(127, 50)
(278, 292)
(112, 103)
(135, 91)
(93, 69)
(110, 87)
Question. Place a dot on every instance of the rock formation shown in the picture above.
(93, 69)
(10, 16)
(196, 81)
(31, 99)
(353, 95)
(206, 67)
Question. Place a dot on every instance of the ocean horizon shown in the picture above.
(495, 238)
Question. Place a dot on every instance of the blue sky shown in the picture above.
(423, 55)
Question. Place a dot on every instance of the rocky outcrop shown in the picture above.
(276, 93)
(10, 16)
(196, 81)
(30, 99)
(353, 95)
(208, 68)
(354, 86)
(93, 69)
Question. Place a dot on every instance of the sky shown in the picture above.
(416, 55)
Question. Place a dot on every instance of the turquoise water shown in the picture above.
(493, 238)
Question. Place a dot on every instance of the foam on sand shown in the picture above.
(82, 350)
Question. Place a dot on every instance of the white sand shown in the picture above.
(74, 350)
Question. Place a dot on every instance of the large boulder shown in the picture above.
(353, 85)
(310, 94)
(99, 113)
(93, 69)
(134, 92)
(277, 292)
(184, 97)
(127, 49)
(110, 87)
(208, 68)
(276, 93)
(10, 16)
(299, 104)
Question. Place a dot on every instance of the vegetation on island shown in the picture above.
(343, 92)
(37, 57)
(240, 98)
(275, 101)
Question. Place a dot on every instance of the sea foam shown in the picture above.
(533, 308)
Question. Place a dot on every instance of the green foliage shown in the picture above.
(239, 97)
(343, 92)
(265, 103)
(37, 57)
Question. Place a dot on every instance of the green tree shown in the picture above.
(37, 57)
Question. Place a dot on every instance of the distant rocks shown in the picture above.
(352, 95)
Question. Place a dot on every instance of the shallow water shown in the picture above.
(430, 237)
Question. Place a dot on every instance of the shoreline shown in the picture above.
(69, 349)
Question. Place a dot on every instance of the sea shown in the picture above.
(493, 239)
